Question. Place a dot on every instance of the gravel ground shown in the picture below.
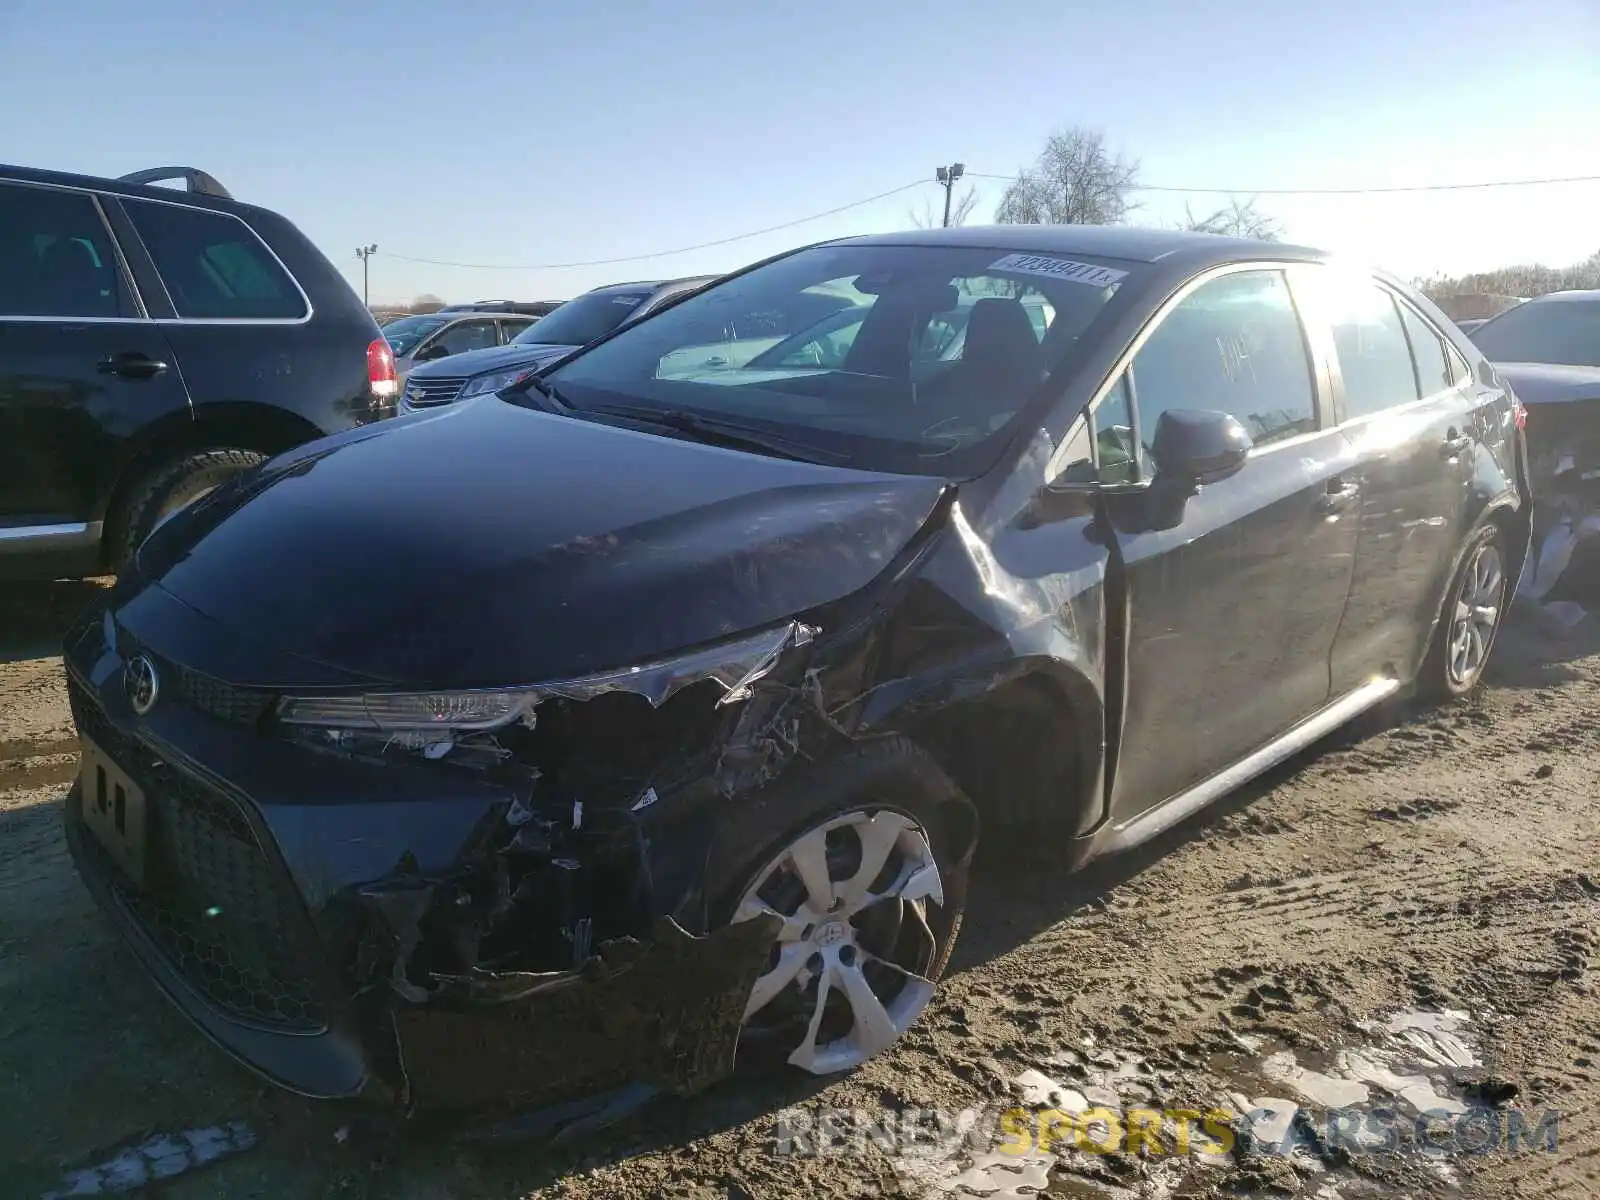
(1417, 898)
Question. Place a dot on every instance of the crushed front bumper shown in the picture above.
(254, 916)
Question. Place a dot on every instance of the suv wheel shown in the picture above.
(1474, 608)
(169, 488)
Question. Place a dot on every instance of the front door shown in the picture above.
(80, 369)
(1231, 615)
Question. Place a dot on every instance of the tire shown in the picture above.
(169, 487)
(890, 931)
(1451, 668)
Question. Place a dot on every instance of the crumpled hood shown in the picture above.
(485, 544)
(494, 358)
(1551, 383)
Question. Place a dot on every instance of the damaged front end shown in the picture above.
(566, 953)
(479, 903)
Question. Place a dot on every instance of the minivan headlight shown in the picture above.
(734, 665)
(498, 382)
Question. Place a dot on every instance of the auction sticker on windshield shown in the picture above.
(1058, 268)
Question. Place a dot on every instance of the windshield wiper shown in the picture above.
(549, 392)
(717, 431)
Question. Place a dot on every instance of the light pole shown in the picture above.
(366, 252)
(947, 176)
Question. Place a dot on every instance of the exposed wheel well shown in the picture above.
(257, 427)
(1016, 752)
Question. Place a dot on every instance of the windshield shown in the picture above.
(590, 316)
(407, 333)
(1555, 331)
(896, 358)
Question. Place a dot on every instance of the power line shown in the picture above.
(1348, 191)
(607, 262)
(906, 187)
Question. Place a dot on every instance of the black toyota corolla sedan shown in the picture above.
(568, 741)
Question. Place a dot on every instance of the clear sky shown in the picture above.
(536, 132)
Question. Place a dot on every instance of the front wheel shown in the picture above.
(868, 876)
(1473, 611)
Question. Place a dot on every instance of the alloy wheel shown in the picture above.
(848, 971)
(1476, 615)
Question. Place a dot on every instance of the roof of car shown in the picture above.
(1105, 241)
(1576, 295)
(121, 187)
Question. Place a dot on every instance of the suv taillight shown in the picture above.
(1519, 413)
(381, 376)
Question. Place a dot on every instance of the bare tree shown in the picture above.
(931, 216)
(426, 303)
(1237, 218)
(1074, 181)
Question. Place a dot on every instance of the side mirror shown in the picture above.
(434, 352)
(1193, 447)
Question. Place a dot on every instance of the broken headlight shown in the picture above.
(734, 665)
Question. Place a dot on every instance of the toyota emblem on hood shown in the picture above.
(140, 684)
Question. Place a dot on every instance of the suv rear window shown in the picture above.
(214, 267)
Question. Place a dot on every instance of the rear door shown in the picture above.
(1231, 615)
(1414, 431)
(82, 369)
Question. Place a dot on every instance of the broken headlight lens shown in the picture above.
(735, 666)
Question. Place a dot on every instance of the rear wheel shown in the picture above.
(1474, 608)
(864, 860)
(170, 487)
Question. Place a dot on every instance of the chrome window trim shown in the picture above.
(94, 195)
(256, 237)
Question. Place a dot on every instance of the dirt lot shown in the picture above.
(1429, 861)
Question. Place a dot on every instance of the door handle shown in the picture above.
(131, 366)
(1340, 495)
(1455, 445)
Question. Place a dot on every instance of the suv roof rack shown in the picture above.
(197, 181)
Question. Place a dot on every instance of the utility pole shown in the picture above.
(366, 252)
(947, 177)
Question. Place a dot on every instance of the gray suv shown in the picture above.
(576, 323)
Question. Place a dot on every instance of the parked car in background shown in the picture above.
(429, 337)
(667, 716)
(1548, 349)
(153, 343)
(1468, 324)
(527, 308)
(593, 314)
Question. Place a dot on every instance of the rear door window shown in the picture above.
(56, 258)
(1427, 350)
(1370, 340)
(214, 267)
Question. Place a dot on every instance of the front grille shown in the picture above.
(425, 393)
(210, 900)
(236, 705)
